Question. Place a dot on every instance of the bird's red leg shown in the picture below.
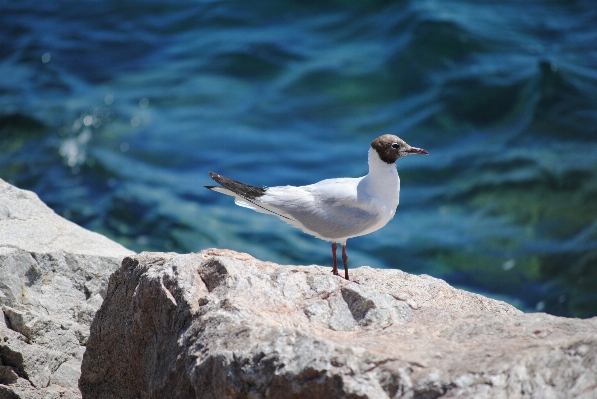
(345, 259)
(335, 269)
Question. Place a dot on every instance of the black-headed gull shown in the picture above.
(333, 209)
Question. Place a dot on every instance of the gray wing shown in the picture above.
(327, 209)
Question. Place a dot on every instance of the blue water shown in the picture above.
(113, 112)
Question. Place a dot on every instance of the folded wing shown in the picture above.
(329, 210)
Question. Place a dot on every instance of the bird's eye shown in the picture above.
(394, 145)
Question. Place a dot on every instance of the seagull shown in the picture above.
(333, 210)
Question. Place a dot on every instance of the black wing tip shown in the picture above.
(244, 190)
(216, 177)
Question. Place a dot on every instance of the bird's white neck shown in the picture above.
(382, 181)
(377, 166)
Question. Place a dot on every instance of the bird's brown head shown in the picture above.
(390, 148)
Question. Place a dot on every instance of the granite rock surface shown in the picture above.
(54, 277)
(221, 324)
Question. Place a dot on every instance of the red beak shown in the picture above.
(415, 150)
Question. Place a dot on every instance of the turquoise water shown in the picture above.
(113, 113)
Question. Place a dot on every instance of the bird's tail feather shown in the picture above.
(221, 190)
(247, 197)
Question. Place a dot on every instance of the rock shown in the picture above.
(53, 279)
(220, 324)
